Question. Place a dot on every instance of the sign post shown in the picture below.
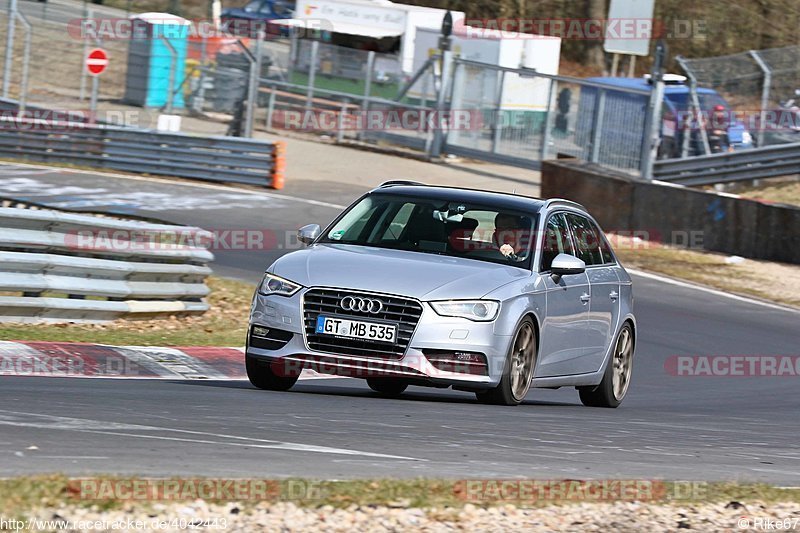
(445, 43)
(9, 57)
(96, 63)
(652, 128)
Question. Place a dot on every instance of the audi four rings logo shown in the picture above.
(364, 305)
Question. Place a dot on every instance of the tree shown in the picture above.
(595, 56)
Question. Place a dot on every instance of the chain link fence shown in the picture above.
(761, 88)
(520, 116)
(515, 116)
(55, 66)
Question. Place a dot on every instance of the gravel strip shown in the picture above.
(620, 517)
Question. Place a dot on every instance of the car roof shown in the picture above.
(643, 84)
(499, 200)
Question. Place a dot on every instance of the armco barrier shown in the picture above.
(743, 165)
(676, 214)
(57, 266)
(223, 159)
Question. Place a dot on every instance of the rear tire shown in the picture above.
(518, 370)
(387, 386)
(617, 376)
(261, 375)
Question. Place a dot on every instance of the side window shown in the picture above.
(605, 248)
(556, 241)
(398, 223)
(587, 240)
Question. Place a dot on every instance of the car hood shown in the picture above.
(414, 274)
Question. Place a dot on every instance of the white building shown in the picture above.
(505, 49)
(377, 24)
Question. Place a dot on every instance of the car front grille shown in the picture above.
(401, 311)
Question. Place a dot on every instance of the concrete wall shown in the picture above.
(677, 215)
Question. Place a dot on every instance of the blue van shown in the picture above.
(263, 11)
(676, 105)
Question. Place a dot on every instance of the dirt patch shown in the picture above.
(224, 324)
(785, 193)
(777, 282)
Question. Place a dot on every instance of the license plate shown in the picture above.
(356, 329)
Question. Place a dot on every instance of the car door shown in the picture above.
(603, 289)
(563, 335)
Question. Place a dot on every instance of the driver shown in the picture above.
(511, 234)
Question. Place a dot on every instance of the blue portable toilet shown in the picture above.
(150, 59)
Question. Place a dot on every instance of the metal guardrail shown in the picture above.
(57, 267)
(226, 159)
(766, 162)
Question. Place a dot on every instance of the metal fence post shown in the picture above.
(367, 90)
(597, 125)
(312, 72)
(439, 137)
(252, 92)
(26, 59)
(87, 13)
(368, 79)
(764, 91)
(340, 121)
(93, 98)
(498, 112)
(172, 66)
(199, 101)
(456, 101)
(271, 107)
(7, 65)
(652, 125)
(546, 134)
(695, 103)
(294, 43)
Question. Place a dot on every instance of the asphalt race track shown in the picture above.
(673, 427)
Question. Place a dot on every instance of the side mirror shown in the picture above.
(565, 265)
(308, 234)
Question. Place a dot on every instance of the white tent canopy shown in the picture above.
(340, 27)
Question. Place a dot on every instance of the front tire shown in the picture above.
(518, 370)
(261, 375)
(387, 386)
(617, 376)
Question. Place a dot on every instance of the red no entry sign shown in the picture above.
(96, 61)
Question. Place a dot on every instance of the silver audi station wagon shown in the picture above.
(484, 292)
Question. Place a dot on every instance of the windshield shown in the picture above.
(452, 228)
(707, 101)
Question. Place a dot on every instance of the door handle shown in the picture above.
(613, 295)
(585, 298)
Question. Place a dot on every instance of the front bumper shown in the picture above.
(433, 334)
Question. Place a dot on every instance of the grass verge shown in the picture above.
(20, 495)
(776, 282)
(787, 192)
(225, 324)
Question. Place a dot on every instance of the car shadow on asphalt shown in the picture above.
(353, 389)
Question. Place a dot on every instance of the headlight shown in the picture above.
(477, 310)
(272, 284)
